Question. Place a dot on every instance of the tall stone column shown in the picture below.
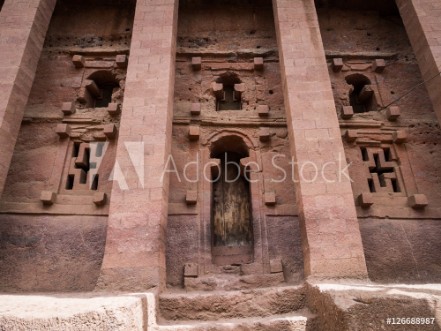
(422, 19)
(23, 26)
(332, 243)
(134, 257)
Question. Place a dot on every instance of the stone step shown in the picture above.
(232, 282)
(218, 305)
(233, 277)
(291, 322)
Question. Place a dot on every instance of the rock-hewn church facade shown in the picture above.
(220, 147)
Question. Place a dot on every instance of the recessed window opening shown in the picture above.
(107, 84)
(106, 91)
(384, 174)
(84, 165)
(361, 96)
(76, 149)
(230, 99)
(70, 182)
(94, 185)
(84, 168)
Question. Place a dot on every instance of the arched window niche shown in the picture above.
(228, 90)
(231, 210)
(361, 95)
(99, 89)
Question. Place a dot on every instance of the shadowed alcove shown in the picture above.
(361, 96)
(231, 216)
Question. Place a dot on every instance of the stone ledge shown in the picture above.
(79, 312)
(64, 205)
(353, 305)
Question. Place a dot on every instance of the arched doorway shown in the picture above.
(231, 215)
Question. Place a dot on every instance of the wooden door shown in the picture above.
(231, 215)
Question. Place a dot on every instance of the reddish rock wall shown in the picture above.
(332, 244)
(392, 230)
(59, 247)
(57, 243)
(227, 36)
(402, 251)
(47, 253)
(134, 258)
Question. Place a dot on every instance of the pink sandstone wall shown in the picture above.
(60, 247)
(23, 28)
(42, 253)
(421, 18)
(392, 231)
(227, 38)
(331, 237)
(150, 227)
(135, 246)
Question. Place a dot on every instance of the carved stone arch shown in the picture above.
(251, 145)
(228, 77)
(231, 214)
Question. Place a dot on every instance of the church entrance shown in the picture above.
(231, 219)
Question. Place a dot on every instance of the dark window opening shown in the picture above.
(107, 85)
(371, 185)
(230, 99)
(387, 154)
(94, 185)
(361, 96)
(395, 185)
(70, 182)
(76, 149)
(83, 165)
(106, 96)
(364, 154)
(384, 173)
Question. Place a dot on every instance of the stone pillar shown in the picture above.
(23, 26)
(134, 257)
(332, 245)
(422, 19)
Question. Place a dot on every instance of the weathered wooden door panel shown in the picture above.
(231, 214)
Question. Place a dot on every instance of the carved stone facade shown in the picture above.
(391, 136)
(229, 109)
(58, 181)
(117, 137)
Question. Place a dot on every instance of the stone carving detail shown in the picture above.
(228, 91)
(83, 172)
(380, 170)
(228, 101)
(89, 125)
(383, 167)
